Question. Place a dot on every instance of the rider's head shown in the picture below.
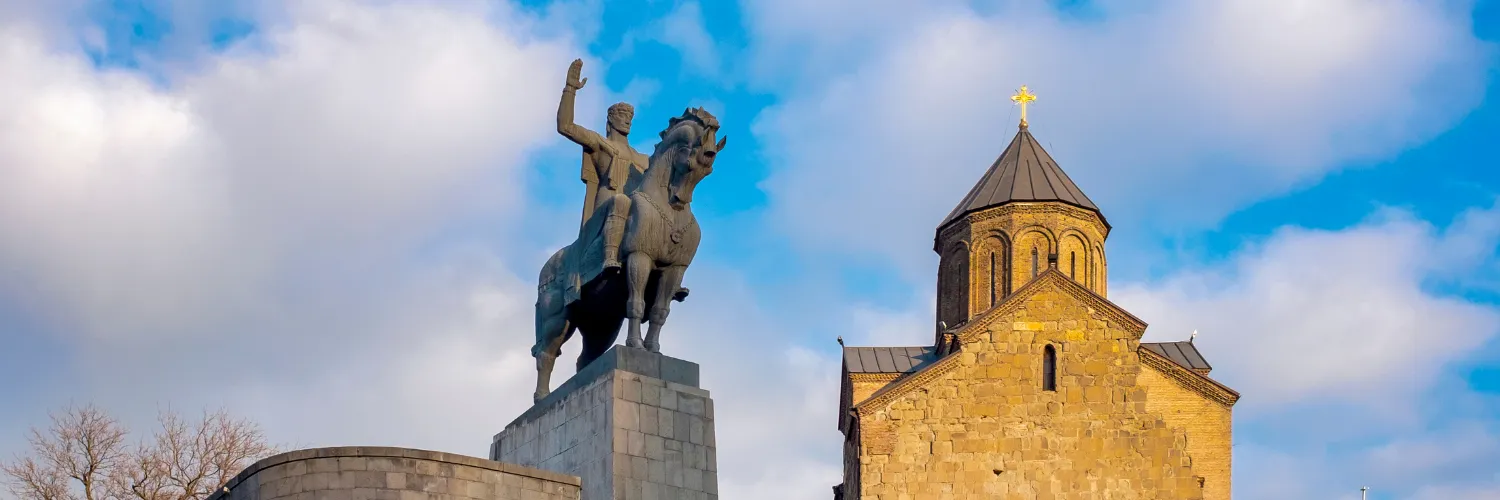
(620, 116)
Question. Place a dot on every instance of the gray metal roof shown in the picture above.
(887, 359)
(1024, 172)
(1182, 353)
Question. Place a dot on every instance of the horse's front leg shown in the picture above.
(667, 287)
(637, 274)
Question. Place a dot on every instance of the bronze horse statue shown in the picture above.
(661, 238)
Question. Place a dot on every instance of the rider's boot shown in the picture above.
(614, 232)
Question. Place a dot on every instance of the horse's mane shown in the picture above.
(696, 115)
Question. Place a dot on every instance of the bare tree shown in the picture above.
(31, 480)
(190, 461)
(83, 444)
(86, 450)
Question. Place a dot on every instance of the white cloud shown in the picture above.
(1173, 112)
(1327, 316)
(1457, 454)
(681, 29)
(910, 326)
(269, 227)
(775, 401)
(351, 132)
(1473, 492)
(448, 387)
(265, 233)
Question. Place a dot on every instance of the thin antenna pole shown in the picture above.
(1363, 491)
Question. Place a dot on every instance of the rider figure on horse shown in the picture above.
(611, 167)
(638, 235)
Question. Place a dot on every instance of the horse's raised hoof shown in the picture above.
(681, 294)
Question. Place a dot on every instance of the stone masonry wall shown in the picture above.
(1207, 423)
(379, 473)
(573, 438)
(664, 444)
(979, 425)
(628, 435)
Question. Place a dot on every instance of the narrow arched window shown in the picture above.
(1049, 368)
(1035, 265)
(994, 285)
(1073, 265)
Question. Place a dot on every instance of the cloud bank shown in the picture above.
(318, 226)
(1168, 113)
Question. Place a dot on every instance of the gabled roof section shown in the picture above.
(1182, 353)
(887, 359)
(976, 326)
(1024, 172)
(972, 329)
(1194, 380)
(916, 379)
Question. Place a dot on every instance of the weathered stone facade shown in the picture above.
(1036, 387)
(633, 425)
(1199, 406)
(380, 473)
(978, 423)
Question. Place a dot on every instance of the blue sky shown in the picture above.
(328, 216)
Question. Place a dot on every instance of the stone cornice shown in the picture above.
(1197, 382)
(389, 452)
(975, 327)
(907, 384)
(1056, 207)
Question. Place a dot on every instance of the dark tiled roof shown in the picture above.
(1182, 353)
(887, 359)
(1024, 172)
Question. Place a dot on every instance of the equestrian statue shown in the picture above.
(635, 241)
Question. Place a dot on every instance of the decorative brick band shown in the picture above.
(1190, 379)
(874, 377)
(1023, 207)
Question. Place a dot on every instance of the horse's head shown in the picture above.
(687, 147)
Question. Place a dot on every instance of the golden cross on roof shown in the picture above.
(1022, 97)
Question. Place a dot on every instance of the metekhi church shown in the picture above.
(1035, 385)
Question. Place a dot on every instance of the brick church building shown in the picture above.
(1035, 385)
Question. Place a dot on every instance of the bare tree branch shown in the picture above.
(189, 461)
(85, 452)
(83, 444)
(28, 480)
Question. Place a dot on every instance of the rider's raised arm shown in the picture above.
(589, 139)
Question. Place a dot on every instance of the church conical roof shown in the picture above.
(1024, 172)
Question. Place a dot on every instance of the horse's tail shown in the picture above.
(549, 300)
(551, 274)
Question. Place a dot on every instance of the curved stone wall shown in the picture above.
(379, 473)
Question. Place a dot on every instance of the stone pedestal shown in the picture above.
(632, 425)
